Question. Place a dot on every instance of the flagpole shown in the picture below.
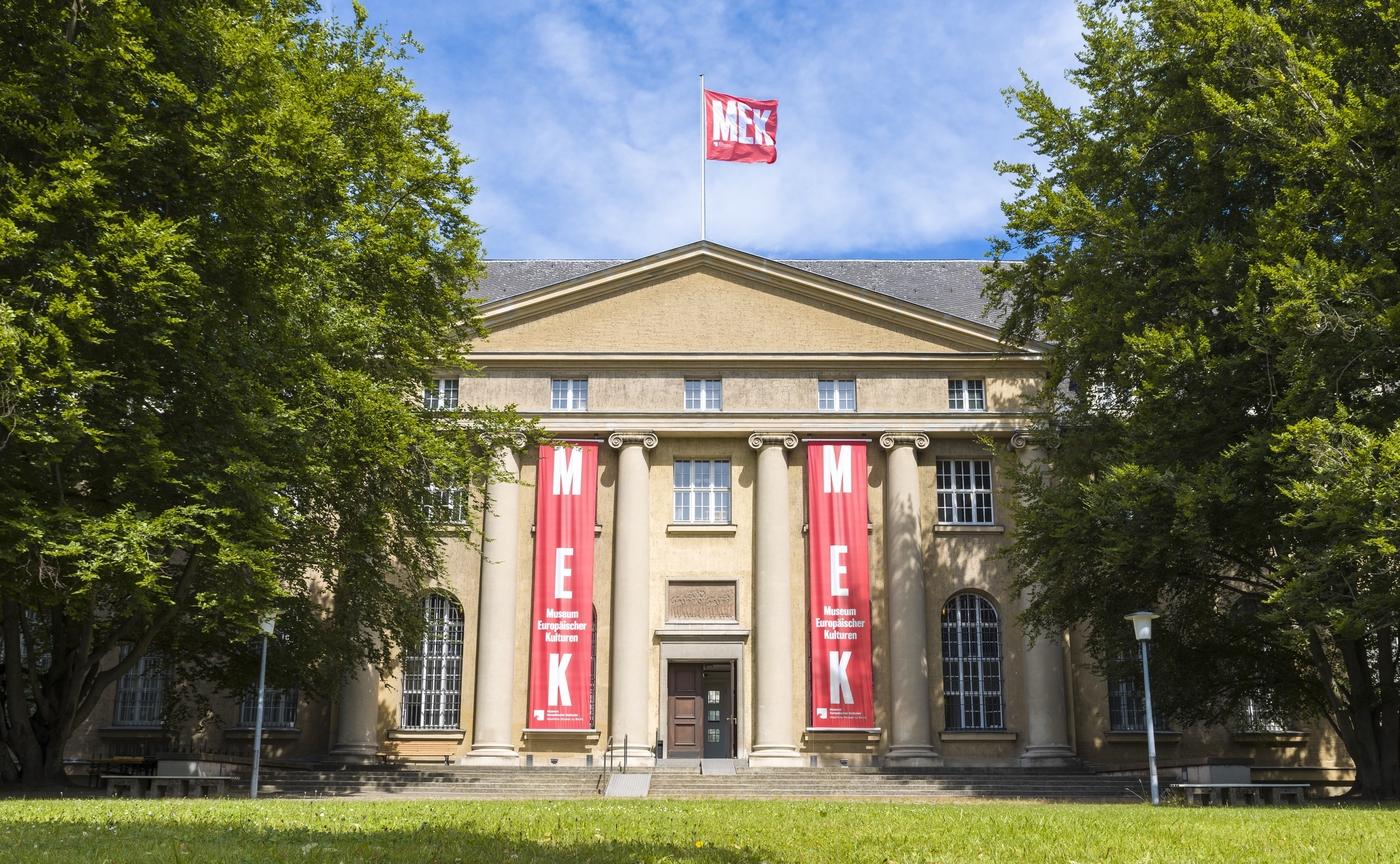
(702, 156)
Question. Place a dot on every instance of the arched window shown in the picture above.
(972, 663)
(432, 672)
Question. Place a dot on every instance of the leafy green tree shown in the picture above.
(1210, 246)
(233, 246)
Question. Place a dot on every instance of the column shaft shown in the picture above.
(631, 609)
(495, 628)
(357, 724)
(911, 740)
(774, 743)
(1047, 722)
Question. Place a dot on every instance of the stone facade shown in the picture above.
(733, 594)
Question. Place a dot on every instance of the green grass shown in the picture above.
(707, 832)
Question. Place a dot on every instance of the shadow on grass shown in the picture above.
(117, 841)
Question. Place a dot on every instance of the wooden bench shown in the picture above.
(1242, 793)
(165, 785)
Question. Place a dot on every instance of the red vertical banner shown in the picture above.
(843, 680)
(561, 637)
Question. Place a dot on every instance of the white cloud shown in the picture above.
(584, 120)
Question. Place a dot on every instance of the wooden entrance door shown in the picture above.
(700, 710)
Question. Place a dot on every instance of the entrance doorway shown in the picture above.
(700, 711)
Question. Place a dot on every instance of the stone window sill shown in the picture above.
(131, 732)
(701, 529)
(267, 732)
(942, 528)
(427, 735)
(1140, 737)
(979, 735)
(1278, 739)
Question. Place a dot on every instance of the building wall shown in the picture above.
(637, 342)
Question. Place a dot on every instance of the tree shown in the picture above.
(1210, 247)
(233, 246)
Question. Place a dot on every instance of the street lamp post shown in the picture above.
(268, 624)
(1142, 628)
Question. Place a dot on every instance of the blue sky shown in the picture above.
(583, 119)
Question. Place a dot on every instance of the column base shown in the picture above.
(492, 754)
(1048, 756)
(776, 756)
(355, 754)
(913, 756)
(636, 757)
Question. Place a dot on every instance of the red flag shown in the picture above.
(740, 130)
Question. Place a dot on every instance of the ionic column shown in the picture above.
(357, 723)
(911, 736)
(495, 625)
(631, 611)
(1047, 723)
(774, 743)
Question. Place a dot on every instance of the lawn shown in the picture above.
(707, 832)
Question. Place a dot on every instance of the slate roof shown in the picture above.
(954, 287)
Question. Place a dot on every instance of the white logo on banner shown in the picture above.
(839, 680)
(558, 684)
(836, 469)
(737, 122)
(837, 571)
(568, 470)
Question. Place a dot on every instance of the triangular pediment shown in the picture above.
(706, 298)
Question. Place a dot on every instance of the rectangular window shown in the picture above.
(702, 394)
(568, 394)
(1127, 710)
(965, 491)
(141, 693)
(279, 708)
(967, 394)
(836, 394)
(440, 395)
(702, 491)
(1255, 716)
(444, 504)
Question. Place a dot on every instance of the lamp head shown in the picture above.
(268, 623)
(1142, 624)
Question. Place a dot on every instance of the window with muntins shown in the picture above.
(432, 670)
(702, 394)
(972, 664)
(279, 708)
(568, 394)
(701, 491)
(967, 394)
(1255, 716)
(141, 693)
(441, 395)
(1127, 710)
(444, 505)
(965, 491)
(836, 394)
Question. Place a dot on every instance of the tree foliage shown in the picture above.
(1210, 245)
(233, 245)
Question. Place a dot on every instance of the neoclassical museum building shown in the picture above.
(767, 530)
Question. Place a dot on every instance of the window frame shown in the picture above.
(143, 707)
(279, 708)
(965, 393)
(706, 398)
(973, 499)
(431, 684)
(443, 394)
(690, 490)
(445, 505)
(575, 394)
(974, 679)
(838, 390)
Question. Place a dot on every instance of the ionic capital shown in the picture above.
(618, 440)
(1019, 439)
(759, 440)
(891, 440)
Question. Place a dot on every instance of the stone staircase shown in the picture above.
(676, 782)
